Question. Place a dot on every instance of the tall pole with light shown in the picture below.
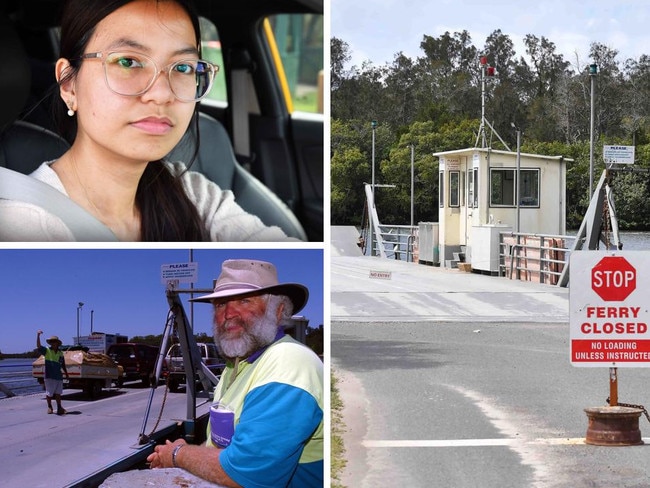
(412, 178)
(79, 307)
(517, 183)
(373, 124)
(593, 72)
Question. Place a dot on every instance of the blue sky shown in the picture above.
(41, 289)
(377, 30)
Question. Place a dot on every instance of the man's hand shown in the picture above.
(39, 332)
(162, 455)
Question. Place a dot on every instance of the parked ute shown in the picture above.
(138, 361)
(88, 371)
(174, 370)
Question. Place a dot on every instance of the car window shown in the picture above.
(175, 351)
(298, 41)
(211, 51)
(123, 352)
(212, 351)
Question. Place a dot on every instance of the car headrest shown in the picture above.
(14, 82)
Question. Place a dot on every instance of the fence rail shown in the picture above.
(399, 241)
(533, 257)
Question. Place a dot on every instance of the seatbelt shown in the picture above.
(23, 188)
(244, 102)
(241, 130)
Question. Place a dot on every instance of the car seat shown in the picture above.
(216, 160)
(24, 145)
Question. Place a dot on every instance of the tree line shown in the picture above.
(433, 103)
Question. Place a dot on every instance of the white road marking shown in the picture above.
(476, 442)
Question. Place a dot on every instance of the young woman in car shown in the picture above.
(130, 78)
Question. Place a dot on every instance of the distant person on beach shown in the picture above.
(266, 422)
(54, 367)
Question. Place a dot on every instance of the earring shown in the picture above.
(70, 112)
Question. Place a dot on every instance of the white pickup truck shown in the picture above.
(174, 370)
(88, 371)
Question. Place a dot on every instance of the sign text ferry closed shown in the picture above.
(608, 313)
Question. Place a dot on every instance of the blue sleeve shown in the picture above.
(276, 422)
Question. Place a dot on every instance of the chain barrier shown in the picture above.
(632, 405)
(162, 406)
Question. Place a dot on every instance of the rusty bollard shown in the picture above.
(613, 426)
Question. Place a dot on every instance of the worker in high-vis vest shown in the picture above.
(54, 369)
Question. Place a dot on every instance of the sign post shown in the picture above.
(608, 321)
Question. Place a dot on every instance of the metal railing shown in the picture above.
(533, 257)
(397, 241)
(15, 380)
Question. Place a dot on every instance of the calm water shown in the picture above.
(635, 241)
(16, 374)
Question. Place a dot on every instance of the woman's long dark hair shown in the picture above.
(166, 213)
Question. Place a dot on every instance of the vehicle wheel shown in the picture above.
(146, 381)
(93, 389)
(173, 386)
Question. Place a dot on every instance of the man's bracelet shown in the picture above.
(174, 453)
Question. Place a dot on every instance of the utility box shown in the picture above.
(428, 243)
(485, 255)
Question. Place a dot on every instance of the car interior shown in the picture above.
(261, 128)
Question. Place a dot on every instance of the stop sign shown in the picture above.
(613, 278)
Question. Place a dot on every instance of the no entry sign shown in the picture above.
(608, 314)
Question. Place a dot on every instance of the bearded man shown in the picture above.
(266, 424)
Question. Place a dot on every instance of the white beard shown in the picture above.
(256, 335)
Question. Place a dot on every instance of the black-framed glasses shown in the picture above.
(132, 74)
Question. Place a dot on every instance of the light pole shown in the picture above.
(412, 178)
(81, 304)
(517, 183)
(373, 124)
(593, 72)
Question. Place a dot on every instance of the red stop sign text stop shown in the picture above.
(613, 278)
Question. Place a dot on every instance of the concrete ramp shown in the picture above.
(344, 241)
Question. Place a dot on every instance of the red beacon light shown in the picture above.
(490, 71)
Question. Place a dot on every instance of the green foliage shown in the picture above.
(337, 448)
(433, 102)
(316, 339)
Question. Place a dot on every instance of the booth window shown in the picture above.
(454, 188)
(472, 187)
(529, 188)
(502, 187)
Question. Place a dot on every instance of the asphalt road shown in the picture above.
(467, 404)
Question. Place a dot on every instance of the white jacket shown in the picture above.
(223, 218)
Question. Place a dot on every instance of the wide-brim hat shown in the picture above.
(53, 339)
(248, 277)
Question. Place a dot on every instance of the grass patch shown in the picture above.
(337, 449)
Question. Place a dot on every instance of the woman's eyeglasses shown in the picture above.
(132, 74)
